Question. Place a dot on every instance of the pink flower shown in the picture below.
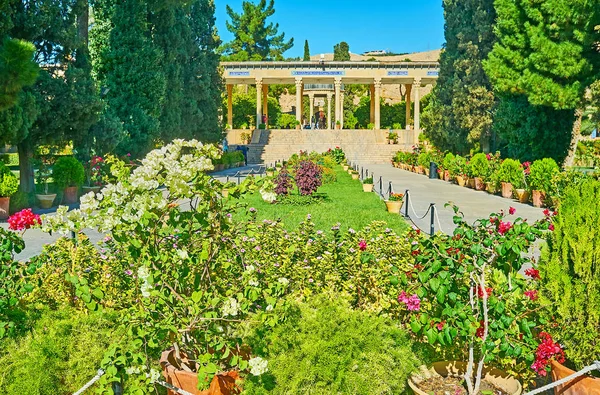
(402, 298)
(512, 210)
(488, 156)
(440, 325)
(24, 219)
(533, 273)
(551, 227)
(504, 227)
(531, 294)
(362, 245)
(413, 303)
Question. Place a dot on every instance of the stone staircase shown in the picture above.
(360, 146)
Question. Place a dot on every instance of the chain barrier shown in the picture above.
(584, 371)
(99, 374)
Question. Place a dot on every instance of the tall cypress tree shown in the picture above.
(460, 115)
(341, 52)
(306, 51)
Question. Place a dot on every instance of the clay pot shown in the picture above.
(538, 198)
(583, 385)
(507, 190)
(86, 190)
(471, 183)
(46, 201)
(490, 187)
(479, 184)
(270, 173)
(461, 181)
(420, 170)
(368, 187)
(522, 195)
(346, 167)
(446, 175)
(493, 376)
(426, 172)
(222, 384)
(354, 176)
(4, 207)
(70, 195)
(393, 206)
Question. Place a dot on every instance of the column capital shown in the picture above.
(337, 82)
(311, 95)
(377, 82)
(329, 95)
(298, 81)
(417, 83)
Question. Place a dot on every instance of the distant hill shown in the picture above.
(428, 56)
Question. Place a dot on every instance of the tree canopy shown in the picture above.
(254, 38)
(341, 52)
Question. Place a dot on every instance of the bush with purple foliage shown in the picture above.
(308, 177)
(283, 182)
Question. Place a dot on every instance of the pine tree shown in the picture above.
(17, 70)
(341, 52)
(306, 51)
(254, 39)
(460, 115)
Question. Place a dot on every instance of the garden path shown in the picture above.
(423, 191)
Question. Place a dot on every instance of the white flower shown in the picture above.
(268, 196)
(230, 307)
(253, 283)
(154, 375)
(269, 308)
(283, 281)
(144, 275)
(182, 254)
(250, 268)
(258, 366)
(133, 370)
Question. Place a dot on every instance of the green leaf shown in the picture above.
(98, 293)
(394, 280)
(441, 294)
(423, 277)
(415, 326)
(431, 336)
(196, 296)
(434, 284)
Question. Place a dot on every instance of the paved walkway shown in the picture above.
(423, 191)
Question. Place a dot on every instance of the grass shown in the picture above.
(345, 203)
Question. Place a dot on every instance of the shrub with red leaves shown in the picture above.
(308, 177)
(283, 182)
(24, 219)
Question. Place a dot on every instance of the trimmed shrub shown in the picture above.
(480, 166)
(326, 347)
(8, 182)
(541, 174)
(570, 274)
(308, 177)
(511, 171)
(283, 182)
(68, 172)
(447, 161)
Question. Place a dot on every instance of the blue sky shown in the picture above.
(395, 25)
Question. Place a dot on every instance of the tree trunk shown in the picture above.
(575, 138)
(83, 21)
(26, 167)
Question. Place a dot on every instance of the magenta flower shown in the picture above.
(531, 294)
(362, 245)
(402, 298)
(504, 227)
(551, 227)
(512, 210)
(413, 303)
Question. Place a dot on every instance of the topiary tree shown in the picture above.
(570, 274)
(68, 172)
(480, 166)
(541, 174)
(8, 182)
(511, 171)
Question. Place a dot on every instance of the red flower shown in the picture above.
(416, 252)
(362, 245)
(533, 273)
(546, 351)
(488, 291)
(512, 210)
(440, 325)
(480, 330)
(551, 227)
(547, 212)
(504, 227)
(531, 294)
(24, 219)
(493, 220)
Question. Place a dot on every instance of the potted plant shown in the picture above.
(481, 170)
(470, 179)
(244, 126)
(447, 164)
(368, 184)
(44, 163)
(510, 172)
(354, 175)
(338, 125)
(466, 292)
(424, 160)
(270, 171)
(245, 137)
(457, 170)
(8, 186)
(393, 137)
(394, 203)
(521, 187)
(371, 126)
(95, 170)
(540, 179)
(68, 174)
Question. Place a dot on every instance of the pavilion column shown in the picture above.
(230, 105)
(338, 86)
(299, 100)
(371, 95)
(408, 88)
(311, 97)
(377, 85)
(417, 86)
(258, 102)
(341, 110)
(265, 91)
(329, 95)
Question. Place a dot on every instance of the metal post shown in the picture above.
(406, 197)
(239, 179)
(381, 186)
(431, 222)
(227, 179)
(362, 173)
(389, 189)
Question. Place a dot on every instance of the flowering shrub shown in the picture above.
(308, 177)
(95, 171)
(396, 197)
(547, 351)
(466, 290)
(24, 219)
(338, 155)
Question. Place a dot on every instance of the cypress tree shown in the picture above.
(306, 51)
(341, 52)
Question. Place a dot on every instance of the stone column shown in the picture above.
(408, 88)
(265, 90)
(341, 110)
(311, 101)
(230, 105)
(417, 86)
(377, 85)
(372, 96)
(258, 102)
(329, 96)
(338, 86)
(299, 99)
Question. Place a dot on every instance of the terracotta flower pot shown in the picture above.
(471, 183)
(426, 171)
(479, 184)
(420, 170)
(368, 187)
(270, 173)
(461, 181)
(221, 384)
(46, 201)
(354, 176)
(490, 187)
(4, 207)
(446, 175)
(522, 195)
(496, 377)
(538, 198)
(583, 385)
(70, 195)
(507, 190)
(393, 206)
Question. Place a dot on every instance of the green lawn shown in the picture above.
(346, 203)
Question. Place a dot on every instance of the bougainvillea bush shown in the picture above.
(466, 293)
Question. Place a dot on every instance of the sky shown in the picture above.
(394, 25)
